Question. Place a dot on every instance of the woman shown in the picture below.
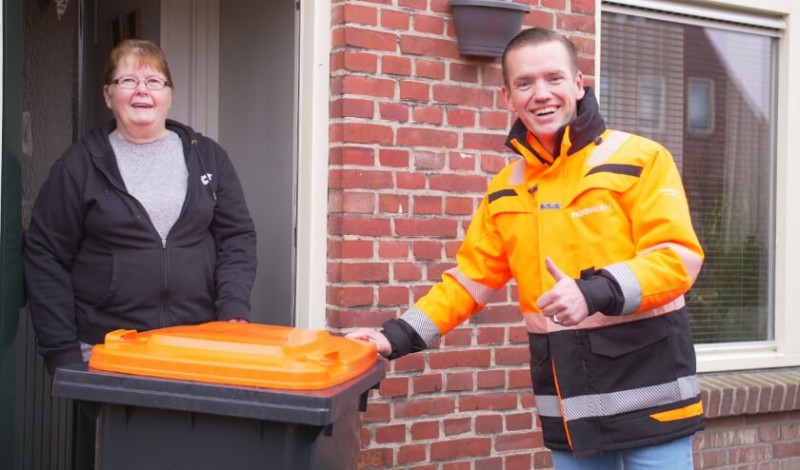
(141, 225)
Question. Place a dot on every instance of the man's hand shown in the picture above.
(564, 303)
(373, 336)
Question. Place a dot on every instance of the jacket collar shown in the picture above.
(586, 128)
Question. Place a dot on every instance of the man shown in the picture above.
(594, 227)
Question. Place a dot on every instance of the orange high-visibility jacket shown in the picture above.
(609, 202)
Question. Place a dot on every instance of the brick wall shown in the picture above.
(416, 133)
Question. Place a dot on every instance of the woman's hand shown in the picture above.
(373, 336)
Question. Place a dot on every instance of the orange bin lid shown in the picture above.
(232, 353)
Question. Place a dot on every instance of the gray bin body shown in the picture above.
(155, 423)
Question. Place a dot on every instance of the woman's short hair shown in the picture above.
(147, 53)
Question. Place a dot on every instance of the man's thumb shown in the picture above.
(553, 269)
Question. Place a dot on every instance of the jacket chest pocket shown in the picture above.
(517, 222)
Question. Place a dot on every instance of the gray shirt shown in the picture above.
(155, 174)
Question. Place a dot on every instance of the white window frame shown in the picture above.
(644, 83)
(709, 106)
(782, 16)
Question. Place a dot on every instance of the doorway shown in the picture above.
(234, 65)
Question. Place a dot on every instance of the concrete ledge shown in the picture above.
(751, 392)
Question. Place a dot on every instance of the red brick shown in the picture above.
(428, 24)
(493, 463)
(428, 115)
(453, 359)
(357, 203)
(456, 426)
(393, 295)
(425, 430)
(458, 206)
(427, 383)
(388, 434)
(537, 17)
(426, 137)
(493, 164)
(392, 387)
(461, 95)
(516, 356)
(359, 226)
(429, 47)
(467, 73)
(518, 441)
(460, 448)
(543, 459)
(458, 337)
(393, 65)
(487, 401)
(393, 204)
(413, 4)
(350, 296)
(377, 413)
(519, 379)
(491, 379)
(583, 23)
(518, 462)
(488, 424)
(495, 120)
(366, 15)
(425, 228)
(365, 272)
(406, 272)
(414, 91)
(460, 381)
(369, 86)
(783, 450)
(375, 458)
(367, 133)
(519, 422)
(410, 363)
(393, 112)
(396, 158)
(429, 161)
(491, 336)
(484, 141)
(411, 454)
(424, 407)
(462, 183)
(359, 61)
(358, 156)
(410, 180)
(363, 179)
(430, 69)
(461, 117)
(393, 19)
(370, 39)
(355, 249)
(429, 205)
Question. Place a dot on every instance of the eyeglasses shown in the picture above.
(129, 83)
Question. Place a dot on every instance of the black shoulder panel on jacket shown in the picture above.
(502, 193)
(620, 169)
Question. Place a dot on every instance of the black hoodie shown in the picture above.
(95, 263)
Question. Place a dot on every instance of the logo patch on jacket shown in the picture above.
(547, 206)
(205, 179)
(591, 210)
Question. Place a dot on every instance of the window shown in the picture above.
(700, 106)
(650, 103)
(707, 91)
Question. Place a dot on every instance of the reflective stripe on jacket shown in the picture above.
(610, 201)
